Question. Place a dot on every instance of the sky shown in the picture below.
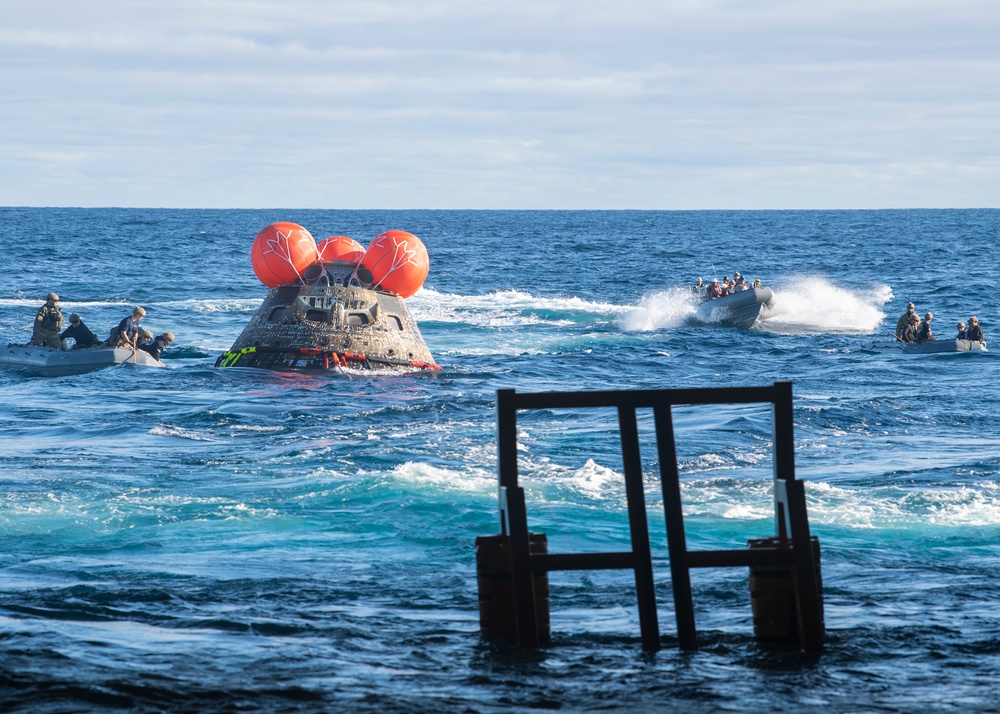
(512, 104)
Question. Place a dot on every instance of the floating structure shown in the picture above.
(335, 304)
(785, 579)
(46, 362)
(926, 348)
(740, 309)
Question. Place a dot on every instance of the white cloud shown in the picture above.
(472, 103)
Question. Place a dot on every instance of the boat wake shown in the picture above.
(807, 305)
(509, 308)
(800, 305)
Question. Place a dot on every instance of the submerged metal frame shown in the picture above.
(793, 549)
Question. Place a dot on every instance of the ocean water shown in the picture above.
(195, 539)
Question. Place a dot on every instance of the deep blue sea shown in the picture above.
(206, 540)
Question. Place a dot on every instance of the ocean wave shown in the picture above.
(507, 308)
(469, 479)
(751, 498)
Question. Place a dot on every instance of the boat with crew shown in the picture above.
(48, 362)
(739, 309)
(926, 348)
(334, 305)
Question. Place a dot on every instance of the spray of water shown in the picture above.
(800, 305)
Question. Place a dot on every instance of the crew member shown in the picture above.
(975, 332)
(48, 323)
(905, 319)
(962, 334)
(700, 289)
(126, 334)
(159, 343)
(714, 291)
(924, 331)
(79, 332)
(909, 333)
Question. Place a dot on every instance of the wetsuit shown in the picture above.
(155, 347)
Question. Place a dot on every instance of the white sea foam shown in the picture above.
(504, 308)
(595, 480)
(194, 305)
(175, 431)
(863, 508)
(890, 506)
(204, 305)
(750, 498)
(810, 304)
(800, 305)
(659, 310)
(66, 305)
(476, 480)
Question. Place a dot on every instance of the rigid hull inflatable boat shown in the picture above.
(740, 309)
(45, 362)
(926, 348)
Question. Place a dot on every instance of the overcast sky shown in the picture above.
(650, 104)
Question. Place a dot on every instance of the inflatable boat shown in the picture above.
(926, 348)
(741, 309)
(45, 362)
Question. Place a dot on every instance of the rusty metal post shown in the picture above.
(670, 483)
(516, 525)
(639, 529)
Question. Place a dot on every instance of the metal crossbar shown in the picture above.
(793, 548)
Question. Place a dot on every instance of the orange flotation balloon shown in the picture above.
(281, 252)
(396, 261)
(340, 248)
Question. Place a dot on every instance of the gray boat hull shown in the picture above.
(742, 309)
(43, 362)
(927, 348)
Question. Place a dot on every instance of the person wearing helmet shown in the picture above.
(48, 323)
(80, 333)
(700, 289)
(909, 333)
(159, 343)
(975, 332)
(714, 290)
(904, 320)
